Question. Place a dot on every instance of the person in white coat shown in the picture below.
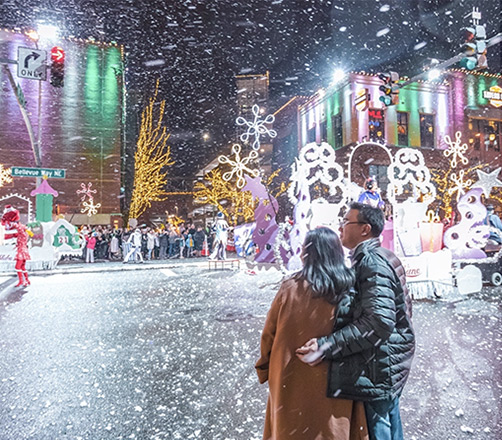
(135, 242)
(220, 239)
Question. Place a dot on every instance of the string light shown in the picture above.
(239, 166)
(5, 175)
(456, 150)
(256, 128)
(90, 208)
(86, 191)
(152, 157)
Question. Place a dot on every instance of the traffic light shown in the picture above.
(474, 48)
(390, 88)
(57, 66)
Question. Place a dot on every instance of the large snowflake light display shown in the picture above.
(256, 128)
(5, 175)
(459, 184)
(239, 166)
(90, 208)
(86, 191)
(456, 150)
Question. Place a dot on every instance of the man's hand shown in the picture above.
(310, 353)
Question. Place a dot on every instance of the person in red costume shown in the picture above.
(15, 229)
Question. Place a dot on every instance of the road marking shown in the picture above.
(168, 272)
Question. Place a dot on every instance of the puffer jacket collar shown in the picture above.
(363, 247)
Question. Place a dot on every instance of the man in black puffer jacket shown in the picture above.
(373, 343)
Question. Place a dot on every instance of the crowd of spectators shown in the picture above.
(164, 242)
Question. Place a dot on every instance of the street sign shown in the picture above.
(38, 172)
(31, 63)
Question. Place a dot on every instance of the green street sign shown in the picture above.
(38, 172)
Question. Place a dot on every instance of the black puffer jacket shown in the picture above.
(373, 343)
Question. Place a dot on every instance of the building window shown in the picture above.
(402, 129)
(336, 122)
(379, 172)
(475, 134)
(485, 134)
(427, 130)
(376, 121)
(324, 131)
(311, 135)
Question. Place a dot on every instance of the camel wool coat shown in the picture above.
(298, 407)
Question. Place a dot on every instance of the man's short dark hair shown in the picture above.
(372, 216)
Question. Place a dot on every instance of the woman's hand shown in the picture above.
(310, 353)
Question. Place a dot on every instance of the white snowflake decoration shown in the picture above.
(459, 184)
(239, 166)
(86, 191)
(256, 128)
(408, 167)
(5, 175)
(456, 150)
(90, 208)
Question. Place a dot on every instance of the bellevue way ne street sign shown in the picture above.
(38, 172)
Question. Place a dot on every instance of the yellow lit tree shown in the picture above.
(446, 192)
(151, 159)
(223, 195)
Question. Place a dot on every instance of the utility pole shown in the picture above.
(22, 106)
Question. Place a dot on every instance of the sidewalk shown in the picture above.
(78, 266)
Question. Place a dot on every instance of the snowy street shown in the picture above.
(169, 354)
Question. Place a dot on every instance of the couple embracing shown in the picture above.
(338, 342)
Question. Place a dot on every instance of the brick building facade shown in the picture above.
(81, 125)
(350, 113)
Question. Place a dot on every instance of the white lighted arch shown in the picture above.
(363, 144)
(26, 199)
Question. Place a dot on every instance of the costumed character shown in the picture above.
(493, 220)
(220, 239)
(135, 243)
(15, 229)
(371, 196)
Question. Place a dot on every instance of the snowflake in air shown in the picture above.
(86, 191)
(256, 128)
(456, 150)
(459, 184)
(90, 208)
(239, 166)
(5, 175)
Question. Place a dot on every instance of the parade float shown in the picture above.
(50, 240)
(438, 259)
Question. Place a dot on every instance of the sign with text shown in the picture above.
(38, 172)
(494, 95)
(31, 63)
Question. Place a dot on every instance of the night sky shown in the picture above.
(196, 47)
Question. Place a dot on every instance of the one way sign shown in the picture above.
(31, 63)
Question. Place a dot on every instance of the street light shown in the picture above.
(338, 75)
(433, 74)
(47, 31)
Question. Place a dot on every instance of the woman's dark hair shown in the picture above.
(323, 265)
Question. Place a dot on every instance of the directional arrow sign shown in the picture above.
(31, 63)
(32, 55)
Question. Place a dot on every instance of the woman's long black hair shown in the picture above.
(323, 265)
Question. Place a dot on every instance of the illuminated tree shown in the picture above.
(447, 188)
(151, 159)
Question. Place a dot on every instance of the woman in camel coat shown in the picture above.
(297, 406)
